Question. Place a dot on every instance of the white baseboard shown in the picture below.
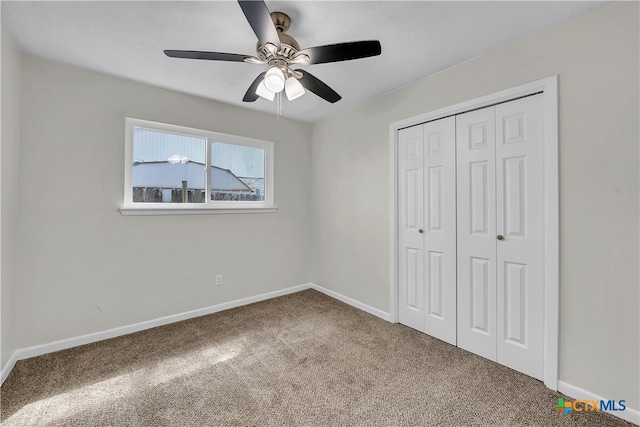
(357, 304)
(39, 350)
(6, 369)
(629, 414)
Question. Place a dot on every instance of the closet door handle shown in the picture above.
(500, 237)
(420, 230)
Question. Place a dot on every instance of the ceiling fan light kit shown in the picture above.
(265, 93)
(293, 88)
(280, 52)
(274, 79)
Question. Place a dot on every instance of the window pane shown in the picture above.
(164, 164)
(237, 172)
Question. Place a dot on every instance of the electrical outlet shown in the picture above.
(219, 280)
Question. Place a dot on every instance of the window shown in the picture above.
(174, 169)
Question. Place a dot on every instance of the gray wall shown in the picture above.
(596, 58)
(77, 258)
(10, 106)
(86, 268)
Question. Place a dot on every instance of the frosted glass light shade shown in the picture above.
(274, 79)
(263, 92)
(293, 88)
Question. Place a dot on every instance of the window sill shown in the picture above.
(192, 210)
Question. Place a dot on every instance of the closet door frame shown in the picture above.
(549, 89)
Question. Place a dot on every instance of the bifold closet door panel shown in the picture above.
(471, 231)
(440, 228)
(411, 298)
(476, 233)
(520, 220)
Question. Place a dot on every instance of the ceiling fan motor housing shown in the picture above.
(288, 45)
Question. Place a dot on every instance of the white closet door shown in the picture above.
(520, 220)
(440, 229)
(476, 232)
(410, 227)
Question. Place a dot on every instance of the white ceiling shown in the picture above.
(418, 38)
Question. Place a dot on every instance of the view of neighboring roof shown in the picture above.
(155, 146)
(163, 174)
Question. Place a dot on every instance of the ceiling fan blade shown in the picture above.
(260, 20)
(318, 87)
(342, 51)
(251, 94)
(214, 56)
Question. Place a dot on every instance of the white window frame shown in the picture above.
(130, 207)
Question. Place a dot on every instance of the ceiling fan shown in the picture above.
(281, 53)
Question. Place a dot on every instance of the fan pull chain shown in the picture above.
(279, 105)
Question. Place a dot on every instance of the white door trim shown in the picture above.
(549, 88)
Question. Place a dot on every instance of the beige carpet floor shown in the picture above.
(300, 360)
